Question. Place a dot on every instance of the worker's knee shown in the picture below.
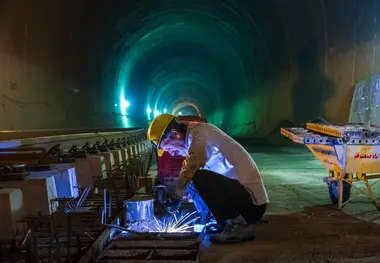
(197, 177)
(204, 179)
(200, 177)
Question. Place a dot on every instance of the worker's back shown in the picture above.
(228, 157)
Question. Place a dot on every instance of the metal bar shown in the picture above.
(105, 205)
(69, 237)
(181, 247)
(66, 141)
(84, 226)
(20, 134)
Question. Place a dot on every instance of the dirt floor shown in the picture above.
(302, 225)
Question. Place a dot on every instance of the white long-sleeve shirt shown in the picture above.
(211, 149)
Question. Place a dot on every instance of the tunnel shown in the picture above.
(249, 67)
(83, 178)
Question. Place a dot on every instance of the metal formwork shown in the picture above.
(170, 248)
(67, 234)
(116, 245)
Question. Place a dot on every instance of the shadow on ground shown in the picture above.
(318, 234)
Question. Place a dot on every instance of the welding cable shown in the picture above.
(282, 124)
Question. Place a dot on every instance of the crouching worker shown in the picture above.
(221, 171)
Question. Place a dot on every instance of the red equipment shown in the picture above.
(170, 166)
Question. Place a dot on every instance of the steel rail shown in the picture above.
(66, 141)
(6, 135)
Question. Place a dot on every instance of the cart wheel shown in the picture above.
(334, 191)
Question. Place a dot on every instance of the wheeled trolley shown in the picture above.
(350, 152)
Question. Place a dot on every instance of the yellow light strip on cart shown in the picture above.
(324, 129)
(292, 136)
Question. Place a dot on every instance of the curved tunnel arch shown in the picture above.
(183, 48)
(285, 51)
(207, 43)
(186, 91)
(215, 56)
(178, 105)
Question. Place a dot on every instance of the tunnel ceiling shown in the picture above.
(247, 66)
(201, 53)
(227, 59)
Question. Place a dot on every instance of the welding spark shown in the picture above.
(171, 224)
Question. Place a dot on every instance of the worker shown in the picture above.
(222, 172)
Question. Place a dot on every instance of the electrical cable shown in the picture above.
(22, 104)
(282, 124)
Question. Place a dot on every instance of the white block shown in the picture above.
(65, 180)
(117, 156)
(109, 161)
(88, 169)
(124, 155)
(11, 210)
(38, 194)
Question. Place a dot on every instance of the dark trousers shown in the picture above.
(226, 198)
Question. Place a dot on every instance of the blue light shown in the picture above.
(165, 110)
(198, 228)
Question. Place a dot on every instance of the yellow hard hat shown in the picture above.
(157, 129)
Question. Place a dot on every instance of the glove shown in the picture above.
(173, 204)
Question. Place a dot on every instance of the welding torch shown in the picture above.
(173, 203)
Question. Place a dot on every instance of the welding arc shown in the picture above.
(146, 235)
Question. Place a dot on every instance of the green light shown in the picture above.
(148, 112)
(124, 105)
(215, 61)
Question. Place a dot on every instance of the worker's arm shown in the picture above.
(198, 155)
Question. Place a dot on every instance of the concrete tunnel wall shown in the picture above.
(59, 63)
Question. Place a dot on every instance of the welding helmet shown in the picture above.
(157, 129)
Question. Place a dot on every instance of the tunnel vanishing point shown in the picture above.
(247, 66)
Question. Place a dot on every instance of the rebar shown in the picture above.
(69, 233)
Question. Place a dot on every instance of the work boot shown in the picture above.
(238, 221)
(235, 231)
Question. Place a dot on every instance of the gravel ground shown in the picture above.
(318, 234)
(301, 227)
